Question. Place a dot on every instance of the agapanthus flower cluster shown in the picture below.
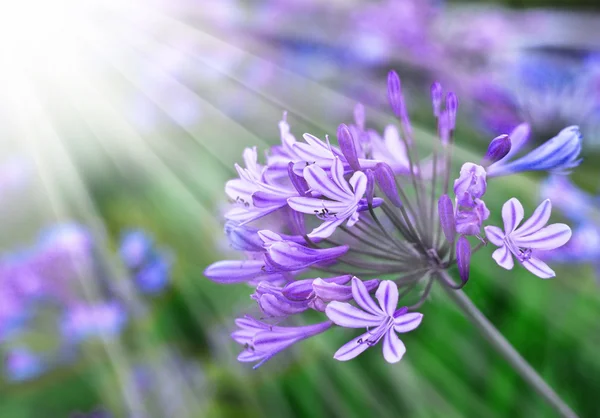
(61, 286)
(360, 231)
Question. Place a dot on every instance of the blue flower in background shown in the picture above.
(149, 266)
(582, 209)
(22, 364)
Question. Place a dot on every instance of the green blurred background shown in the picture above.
(147, 139)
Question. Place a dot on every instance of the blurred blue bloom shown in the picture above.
(22, 364)
(135, 248)
(149, 266)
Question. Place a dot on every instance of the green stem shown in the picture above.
(506, 350)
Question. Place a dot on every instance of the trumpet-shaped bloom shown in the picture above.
(383, 321)
(346, 198)
(559, 154)
(262, 341)
(521, 241)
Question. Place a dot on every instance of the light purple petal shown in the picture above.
(326, 229)
(503, 257)
(337, 175)
(363, 298)
(548, 238)
(537, 220)
(315, 206)
(234, 271)
(348, 316)
(539, 268)
(512, 214)
(407, 322)
(319, 181)
(331, 291)
(352, 348)
(387, 295)
(393, 347)
(358, 181)
(495, 235)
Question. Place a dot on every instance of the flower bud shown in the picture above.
(436, 98)
(446, 214)
(498, 149)
(395, 93)
(463, 258)
(387, 183)
(348, 146)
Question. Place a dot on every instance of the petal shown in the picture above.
(512, 214)
(319, 181)
(494, 235)
(407, 322)
(331, 291)
(503, 257)
(348, 316)
(352, 348)
(387, 295)
(395, 146)
(537, 220)
(393, 347)
(548, 238)
(337, 175)
(363, 298)
(314, 206)
(539, 268)
(358, 181)
(326, 229)
(234, 271)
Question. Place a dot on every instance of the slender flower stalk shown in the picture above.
(347, 215)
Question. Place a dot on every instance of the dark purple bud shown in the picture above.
(359, 116)
(384, 176)
(452, 105)
(498, 149)
(436, 98)
(395, 93)
(370, 186)
(348, 146)
(463, 258)
(446, 213)
(298, 182)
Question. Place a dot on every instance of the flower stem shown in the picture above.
(504, 348)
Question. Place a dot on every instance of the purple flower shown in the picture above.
(471, 184)
(409, 232)
(135, 247)
(384, 321)
(559, 154)
(346, 198)
(533, 234)
(471, 211)
(262, 341)
(578, 205)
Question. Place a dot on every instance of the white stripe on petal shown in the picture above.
(393, 347)
(503, 257)
(387, 295)
(548, 238)
(539, 268)
(512, 214)
(348, 316)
